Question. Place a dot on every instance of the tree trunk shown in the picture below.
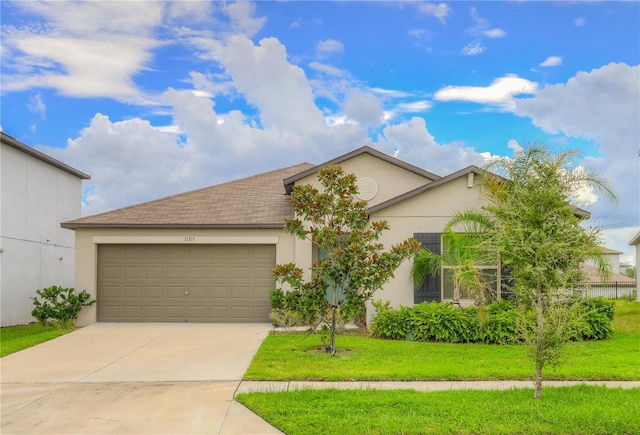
(333, 330)
(537, 381)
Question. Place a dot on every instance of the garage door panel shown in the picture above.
(132, 311)
(154, 292)
(154, 272)
(109, 292)
(110, 311)
(134, 292)
(176, 272)
(174, 293)
(132, 272)
(197, 272)
(198, 293)
(178, 283)
(132, 252)
(219, 272)
(110, 271)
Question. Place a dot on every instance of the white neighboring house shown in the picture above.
(37, 192)
(636, 242)
(617, 285)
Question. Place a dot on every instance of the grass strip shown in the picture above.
(297, 357)
(568, 410)
(16, 338)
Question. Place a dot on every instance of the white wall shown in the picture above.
(36, 253)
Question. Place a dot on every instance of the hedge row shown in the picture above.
(496, 324)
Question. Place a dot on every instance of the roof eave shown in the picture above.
(81, 225)
(14, 143)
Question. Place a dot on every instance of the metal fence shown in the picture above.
(609, 290)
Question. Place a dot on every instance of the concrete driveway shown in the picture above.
(133, 378)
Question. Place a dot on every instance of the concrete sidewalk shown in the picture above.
(275, 386)
(142, 378)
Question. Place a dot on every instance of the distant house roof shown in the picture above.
(606, 250)
(13, 142)
(259, 201)
(591, 275)
(289, 182)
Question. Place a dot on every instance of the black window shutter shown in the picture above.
(430, 289)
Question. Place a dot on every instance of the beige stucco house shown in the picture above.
(207, 255)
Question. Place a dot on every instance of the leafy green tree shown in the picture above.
(353, 263)
(531, 225)
(630, 272)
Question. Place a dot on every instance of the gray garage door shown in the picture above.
(184, 283)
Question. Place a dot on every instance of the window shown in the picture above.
(460, 255)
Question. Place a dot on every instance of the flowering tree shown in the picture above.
(353, 263)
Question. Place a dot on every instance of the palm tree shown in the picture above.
(462, 257)
(530, 224)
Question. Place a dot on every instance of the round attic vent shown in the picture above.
(367, 188)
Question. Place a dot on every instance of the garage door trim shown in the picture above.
(186, 239)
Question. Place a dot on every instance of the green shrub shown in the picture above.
(59, 306)
(433, 321)
(500, 328)
(391, 323)
(594, 320)
(496, 323)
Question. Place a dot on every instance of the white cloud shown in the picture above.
(242, 17)
(281, 91)
(473, 48)
(327, 69)
(128, 156)
(500, 92)
(329, 46)
(515, 146)
(96, 49)
(552, 61)
(415, 144)
(414, 106)
(494, 33)
(579, 22)
(480, 30)
(87, 49)
(602, 105)
(441, 10)
(37, 105)
(363, 108)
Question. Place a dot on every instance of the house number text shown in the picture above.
(189, 238)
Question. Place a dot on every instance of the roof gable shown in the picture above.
(439, 182)
(429, 176)
(259, 201)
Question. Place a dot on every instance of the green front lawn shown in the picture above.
(298, 357)
(571, 410)
(16, 338)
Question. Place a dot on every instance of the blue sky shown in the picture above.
(156, 98)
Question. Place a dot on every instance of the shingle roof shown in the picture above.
(259, 201)
(15, 143)
(591, 275)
